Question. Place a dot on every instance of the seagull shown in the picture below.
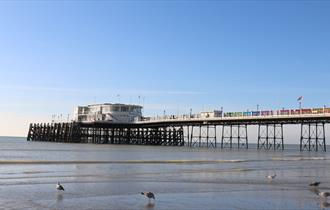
(59, 186)
(271, 176)
(314, 184)
(148, 195)
(324, 194)
(325, 204)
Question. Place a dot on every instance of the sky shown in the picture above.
(175, 55)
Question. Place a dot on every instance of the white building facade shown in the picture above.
(108, 112)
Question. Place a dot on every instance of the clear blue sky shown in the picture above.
(55, 55)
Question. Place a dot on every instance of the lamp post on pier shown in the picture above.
(300, 102)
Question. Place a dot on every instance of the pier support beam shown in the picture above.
(270, 136)
(103, 134)
(202, 136)
(30, 133)
(312, 137)
(231, 132)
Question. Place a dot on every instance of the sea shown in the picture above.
(108, 176)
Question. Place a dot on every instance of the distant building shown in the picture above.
(214, 113)
(108, 112)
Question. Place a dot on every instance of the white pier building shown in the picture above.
(108, 112)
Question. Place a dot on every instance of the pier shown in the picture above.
(106, 133)
(190, 131)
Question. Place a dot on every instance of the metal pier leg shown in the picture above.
(324, 145)
(207, 136)
(238, 137)
(282, 137)
(188, 137)
(259, 137)
(269, 138)
(263, 137)
(191, 136)
(246, 140)
(29, 133)
(242, 136)
(222, 135)
(301, 137)
(215, 140)
(274, 140)
(267, 143)
(309, 136)
(231, 136)
(232, 133)
(312, 136)
(200, 136)
(316, 138)
(181, 136)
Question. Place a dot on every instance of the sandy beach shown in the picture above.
(112, 177)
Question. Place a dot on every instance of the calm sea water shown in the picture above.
(112, 177)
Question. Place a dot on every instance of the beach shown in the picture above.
(107, 176)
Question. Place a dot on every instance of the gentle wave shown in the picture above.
(120, 162)
(155, 161)
(299, 158)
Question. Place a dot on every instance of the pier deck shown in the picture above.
(189, 131)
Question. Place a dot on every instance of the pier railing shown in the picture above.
(186, 117)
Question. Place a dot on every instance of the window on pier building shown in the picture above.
(124, 109)
(137, 110)
(115, 109)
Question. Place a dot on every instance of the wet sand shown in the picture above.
(112, 177)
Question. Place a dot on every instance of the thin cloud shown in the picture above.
(105, 90)
(162, 92)
(288, 90)
(42, 89)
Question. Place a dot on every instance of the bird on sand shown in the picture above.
(324, 194)
(314, 184)
(149, 195)
(271, 177)
(59, 186)
(324, 204)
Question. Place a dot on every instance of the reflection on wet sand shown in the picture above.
(150, 206)
(59, 197)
